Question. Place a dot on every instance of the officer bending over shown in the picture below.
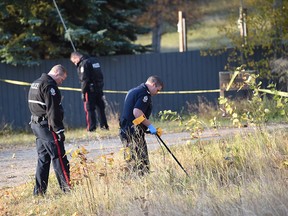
(91, 79)
(138, 104)
(44, 102)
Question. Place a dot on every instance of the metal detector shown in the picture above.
(139, 120)
(159, 138)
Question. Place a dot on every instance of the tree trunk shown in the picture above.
(156, 38)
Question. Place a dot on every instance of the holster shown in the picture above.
(39, 120)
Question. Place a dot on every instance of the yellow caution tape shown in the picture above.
(280, 93)
(189, 92)
(15, 82)
(70, 89)
(232, 80)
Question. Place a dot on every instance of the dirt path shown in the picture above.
(18, 166)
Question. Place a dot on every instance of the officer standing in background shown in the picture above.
(91, 78)
(137, 105)
(44, 102)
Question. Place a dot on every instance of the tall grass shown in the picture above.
(242, 175)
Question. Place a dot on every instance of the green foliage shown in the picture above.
(32, 30)
(259, 109)
(169, 115)
(267, 35)
(195, 126)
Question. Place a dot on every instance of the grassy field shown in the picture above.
(204, 33)
(243, 174)
(240, 175)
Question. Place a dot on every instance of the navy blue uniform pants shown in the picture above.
(49, 149)
(94, 102)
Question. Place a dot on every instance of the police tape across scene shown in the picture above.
(15, 82)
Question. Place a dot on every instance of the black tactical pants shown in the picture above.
(49, 149)
(94, 102)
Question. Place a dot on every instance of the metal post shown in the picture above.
(180, 30)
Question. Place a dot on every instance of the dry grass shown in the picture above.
(243, 175)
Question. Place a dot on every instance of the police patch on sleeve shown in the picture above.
(145, 99)
(52, 91)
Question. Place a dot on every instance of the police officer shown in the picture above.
(91, 79)
(138, 104)
(44, 102)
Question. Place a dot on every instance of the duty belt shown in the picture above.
(38, 119)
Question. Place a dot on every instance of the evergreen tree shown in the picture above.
(31, 30)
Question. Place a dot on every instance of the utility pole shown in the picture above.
(182, 32)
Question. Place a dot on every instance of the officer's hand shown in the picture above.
(159, 132)
(61, 137)
(83, 97)
(152, 129)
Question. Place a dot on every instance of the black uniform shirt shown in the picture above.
(138, 97)
(44, 100)
(89, 71)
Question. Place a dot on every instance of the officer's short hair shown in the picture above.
(59, 69)
(155, 79)
(75, 54)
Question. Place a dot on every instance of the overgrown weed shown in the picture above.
(227, 175)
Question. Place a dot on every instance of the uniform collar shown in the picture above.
(82, 59)
(48, 77)
(146, 88)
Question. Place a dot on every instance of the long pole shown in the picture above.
(172, 154)
(69, 37)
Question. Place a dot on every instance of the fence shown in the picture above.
(181, 73)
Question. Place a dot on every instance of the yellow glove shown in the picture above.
(159, 132)
(138, 120)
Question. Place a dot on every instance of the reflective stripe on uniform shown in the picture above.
(37, 102)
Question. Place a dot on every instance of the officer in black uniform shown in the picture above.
(91, 78)
(44, 102)
(138, 104)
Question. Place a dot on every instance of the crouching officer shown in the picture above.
(44, 102)
(138, 105)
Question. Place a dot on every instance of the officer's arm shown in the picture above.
(85, 77)
(54, 108)
(141, 119)
(137, 113)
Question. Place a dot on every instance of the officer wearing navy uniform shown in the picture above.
(138, 104)
(44, 102)
(91, 79)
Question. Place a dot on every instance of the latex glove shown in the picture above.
(152, 129)
(61, 137)
(83, 97)
(159, 132)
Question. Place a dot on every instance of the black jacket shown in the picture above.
(44, 100)
(89, 72)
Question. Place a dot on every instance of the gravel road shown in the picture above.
(18, 165)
